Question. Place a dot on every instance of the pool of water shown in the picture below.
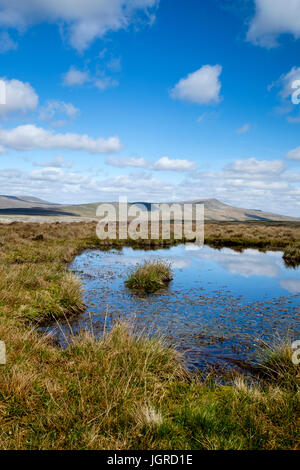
(219, 307)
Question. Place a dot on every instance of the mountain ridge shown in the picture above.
(215, 210)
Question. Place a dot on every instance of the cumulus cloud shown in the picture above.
(163, 164)
(30, 137)
(200, 87)
(255, 168)
(289, 94)
(75, 77)
(245, 128)
(276, 193)
(7, 43)
(273, 18)
(63, 185)
(171, 164)
(294, 154)
(287, 81)
(83, 22)
(256, 184)
(57, 175)
(19, 97)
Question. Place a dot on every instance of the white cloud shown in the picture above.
(54, 107)
(7, 43)
(58, 175)
(20, 97)
(245, 128)
(288, 85)
(83, 22)
(273, 18)
(75, 77)
(276, 193)
(30, 137)
(255, 168)
(163, 164)
(294, 154)
(62, 185)
(256, 184)
(170, 164)
(286, 81)
(201, 87)
(57, 162)
(105, 82)
(139, 162)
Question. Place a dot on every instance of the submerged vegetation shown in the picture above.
(121, 391)
(150, 276)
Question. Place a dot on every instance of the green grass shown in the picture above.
(122, 390)
(276, 366)
(263, 236)
(150, 276)
(126, 391)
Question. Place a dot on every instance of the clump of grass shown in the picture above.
(276, 364)
(150, 276)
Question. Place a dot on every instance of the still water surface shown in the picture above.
(219, 306)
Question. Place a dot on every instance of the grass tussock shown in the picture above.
(276, 364)
(150, 276)
(123, 390)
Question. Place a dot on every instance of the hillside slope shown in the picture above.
(215, 210)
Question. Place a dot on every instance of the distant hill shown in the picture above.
(215, 210)
(29, 206)
(10, 202)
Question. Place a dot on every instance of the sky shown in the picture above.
(156, 100)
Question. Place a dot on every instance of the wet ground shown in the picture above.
(219, 307)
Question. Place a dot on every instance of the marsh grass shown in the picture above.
(150, 276)
(122, 390)
(276, 366)
(126, 391)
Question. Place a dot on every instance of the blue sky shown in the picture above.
(155, 100)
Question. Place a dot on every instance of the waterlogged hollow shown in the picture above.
(218, 308)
